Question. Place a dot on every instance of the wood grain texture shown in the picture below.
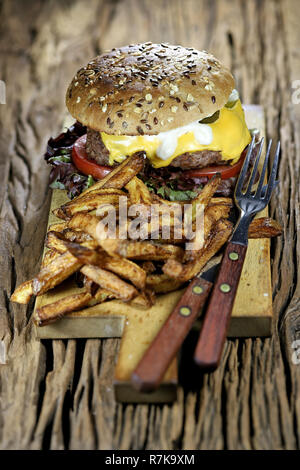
(59, 394)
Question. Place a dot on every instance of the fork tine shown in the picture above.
(240, 182)
(254, 169)
(263, 171)
(273, 174)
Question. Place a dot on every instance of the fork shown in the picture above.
(215, 325)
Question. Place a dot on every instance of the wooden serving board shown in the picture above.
(251, 316)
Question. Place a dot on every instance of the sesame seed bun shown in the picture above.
(148, 88)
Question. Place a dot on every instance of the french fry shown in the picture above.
(212, 214)
(142, 250)
(148, 266)
(56, 241)
(120, 175)
(174, 268)
(221, 200)
(123, 267)
(95, 192)
(77, 236)
(174, 239)
(162, 283)
(111, 246)
(59, 227)
(101, 192)
(146, 299)
(84, 254)
(88, 223)
(101, 295)
(110, 282)
(22, 293)
(98, 192)
(206, 194)
(89, 285)
(52, 312)
(90, 204)
(49, 256)
(214, 200)
(164, 219)
(55, 273)
(159, 200)
(126, 269)
(105, 209)
(217, 211)
(53, 242)
(264, 227)
(185, 272)
(60, 214)
(138, 192)
(92, 201)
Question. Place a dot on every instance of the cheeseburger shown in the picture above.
(176, 104)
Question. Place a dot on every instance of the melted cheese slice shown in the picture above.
(228, 134)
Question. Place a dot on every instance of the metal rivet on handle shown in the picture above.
(225, 288)
(233, 255)
(185, 311)
(197, 290)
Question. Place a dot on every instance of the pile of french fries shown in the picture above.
(126, 269)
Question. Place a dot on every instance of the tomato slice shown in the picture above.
(86, 166)
(226, 171)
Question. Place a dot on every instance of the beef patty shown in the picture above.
(97, 151)
(95, 148)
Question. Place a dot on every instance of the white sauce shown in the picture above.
(168, 140)
(125, 142)
(234, 96)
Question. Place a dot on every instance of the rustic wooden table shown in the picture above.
(58, 394)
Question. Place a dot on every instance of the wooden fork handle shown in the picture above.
(150, 371)
(217, 317)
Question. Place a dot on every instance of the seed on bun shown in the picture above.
(147, 89)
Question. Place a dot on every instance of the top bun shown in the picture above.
(148, 88)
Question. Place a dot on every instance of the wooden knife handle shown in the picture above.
(150, 371)
(216, 321)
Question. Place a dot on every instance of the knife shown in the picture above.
(150, 371)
